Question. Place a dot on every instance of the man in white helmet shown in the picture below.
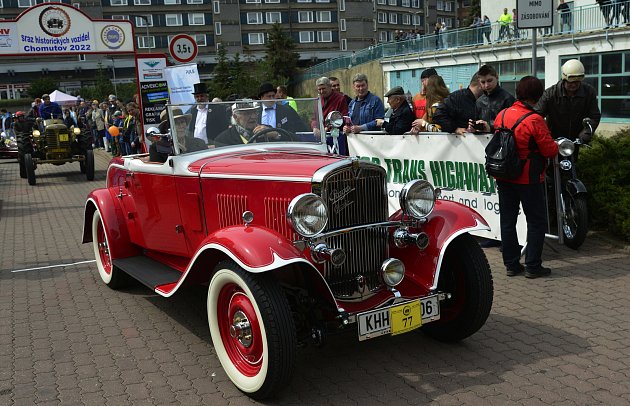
(568, 102)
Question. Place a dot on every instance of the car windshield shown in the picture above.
(187, 128)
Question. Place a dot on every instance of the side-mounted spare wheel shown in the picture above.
(252, 329)
(465, 274)
(112, 276)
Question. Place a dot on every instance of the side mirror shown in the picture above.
(335, 119)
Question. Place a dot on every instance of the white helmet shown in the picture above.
(153, 131)
(573, 70)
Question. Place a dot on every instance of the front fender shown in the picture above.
(120, 245)
(575, 186)
(447, 221)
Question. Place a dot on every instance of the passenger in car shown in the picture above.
(245, 123)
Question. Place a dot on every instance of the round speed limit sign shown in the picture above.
(183, 48)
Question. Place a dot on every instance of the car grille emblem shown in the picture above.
(338, 199)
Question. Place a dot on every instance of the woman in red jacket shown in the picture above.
(535, 145)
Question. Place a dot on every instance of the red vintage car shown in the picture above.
(293, 242)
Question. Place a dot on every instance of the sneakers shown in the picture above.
(537, 272)
(515, 269)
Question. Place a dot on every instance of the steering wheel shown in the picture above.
(281, 131)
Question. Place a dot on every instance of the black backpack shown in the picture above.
(502, 160)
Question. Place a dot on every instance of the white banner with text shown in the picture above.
(453, 163)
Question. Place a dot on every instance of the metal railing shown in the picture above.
(580, 19)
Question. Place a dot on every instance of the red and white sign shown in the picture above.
(183, 48)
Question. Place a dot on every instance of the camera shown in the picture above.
(479, 126)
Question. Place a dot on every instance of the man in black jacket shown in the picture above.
(208, 119)
(279, 115)
(493, 99)
(402, 117)
(568, 102)
(458, 108)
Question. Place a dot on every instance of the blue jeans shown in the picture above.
(125, 148)
(532, 197)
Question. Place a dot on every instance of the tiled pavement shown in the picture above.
(66, 338)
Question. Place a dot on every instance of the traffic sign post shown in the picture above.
(534, 14)
(183, 48)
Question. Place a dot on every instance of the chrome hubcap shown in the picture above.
(241, 329)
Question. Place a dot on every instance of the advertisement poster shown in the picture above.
(453, 163)
(54, 28)
(153, 89)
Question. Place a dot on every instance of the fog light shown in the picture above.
(393, 271)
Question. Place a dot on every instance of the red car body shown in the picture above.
(180, 222)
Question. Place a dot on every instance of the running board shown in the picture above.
(147, 271)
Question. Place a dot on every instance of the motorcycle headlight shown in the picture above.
(76, 131)
(417, 198)
(308, 214)
(36, 133)
(565, 146)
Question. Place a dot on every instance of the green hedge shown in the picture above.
(605, 170)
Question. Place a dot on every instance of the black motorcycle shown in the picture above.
(571, 212)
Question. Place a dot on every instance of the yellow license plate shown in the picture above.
(55, 150)
(63, 137)
(405, 317)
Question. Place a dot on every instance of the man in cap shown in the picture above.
(245, 119)
(49, 109)
(205, 113)
(420, 99)
(402, 117)
(277, 115)
(568, 102)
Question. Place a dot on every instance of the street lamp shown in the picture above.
(114, 75)
(415, 20)
(146, 24)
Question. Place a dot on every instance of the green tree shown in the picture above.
(280, 57)
(475, 10)
(40, 86)
(104, 86)
(221, 86)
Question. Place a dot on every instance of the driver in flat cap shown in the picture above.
(401, 118)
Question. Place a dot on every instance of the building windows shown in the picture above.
(252, 1)
(382, 17)
(415, 3)
(344, 44)
(392, 2)
(171, 2)
(406, 19)
(254, 18)
(305, 17)
(393, 18)
(217, 28)
(307, 36)
(440, 5)
(142, 2)
(273, 17)
(196, 19)
(146, 42)
(304, 1)
(173, 20)
(272, 1)
(382, 36)
(200, 39)
(144, 21)
(119, 17)
(323, 17)
(322, 1)
(381, 1)
(194, 1)
(256, 38)
(342, 5)
(342, 24)
(216, 7)
(112, 2)
(448, 6)
(416, 19)
(405, 3)
(324, 36)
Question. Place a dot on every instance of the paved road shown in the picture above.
(66, 338)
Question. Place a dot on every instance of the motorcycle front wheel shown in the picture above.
(575, 224)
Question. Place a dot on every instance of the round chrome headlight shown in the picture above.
(76, 130)
(36, 133)
(417, 198)
(307, 214)
(565, 146)
(392, 271)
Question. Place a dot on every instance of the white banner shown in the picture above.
(55, 28)
(180, 80)
(453, 163)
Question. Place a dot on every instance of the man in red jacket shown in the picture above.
(535, 145)
(330, 100)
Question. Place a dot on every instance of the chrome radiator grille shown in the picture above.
(356, 195)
